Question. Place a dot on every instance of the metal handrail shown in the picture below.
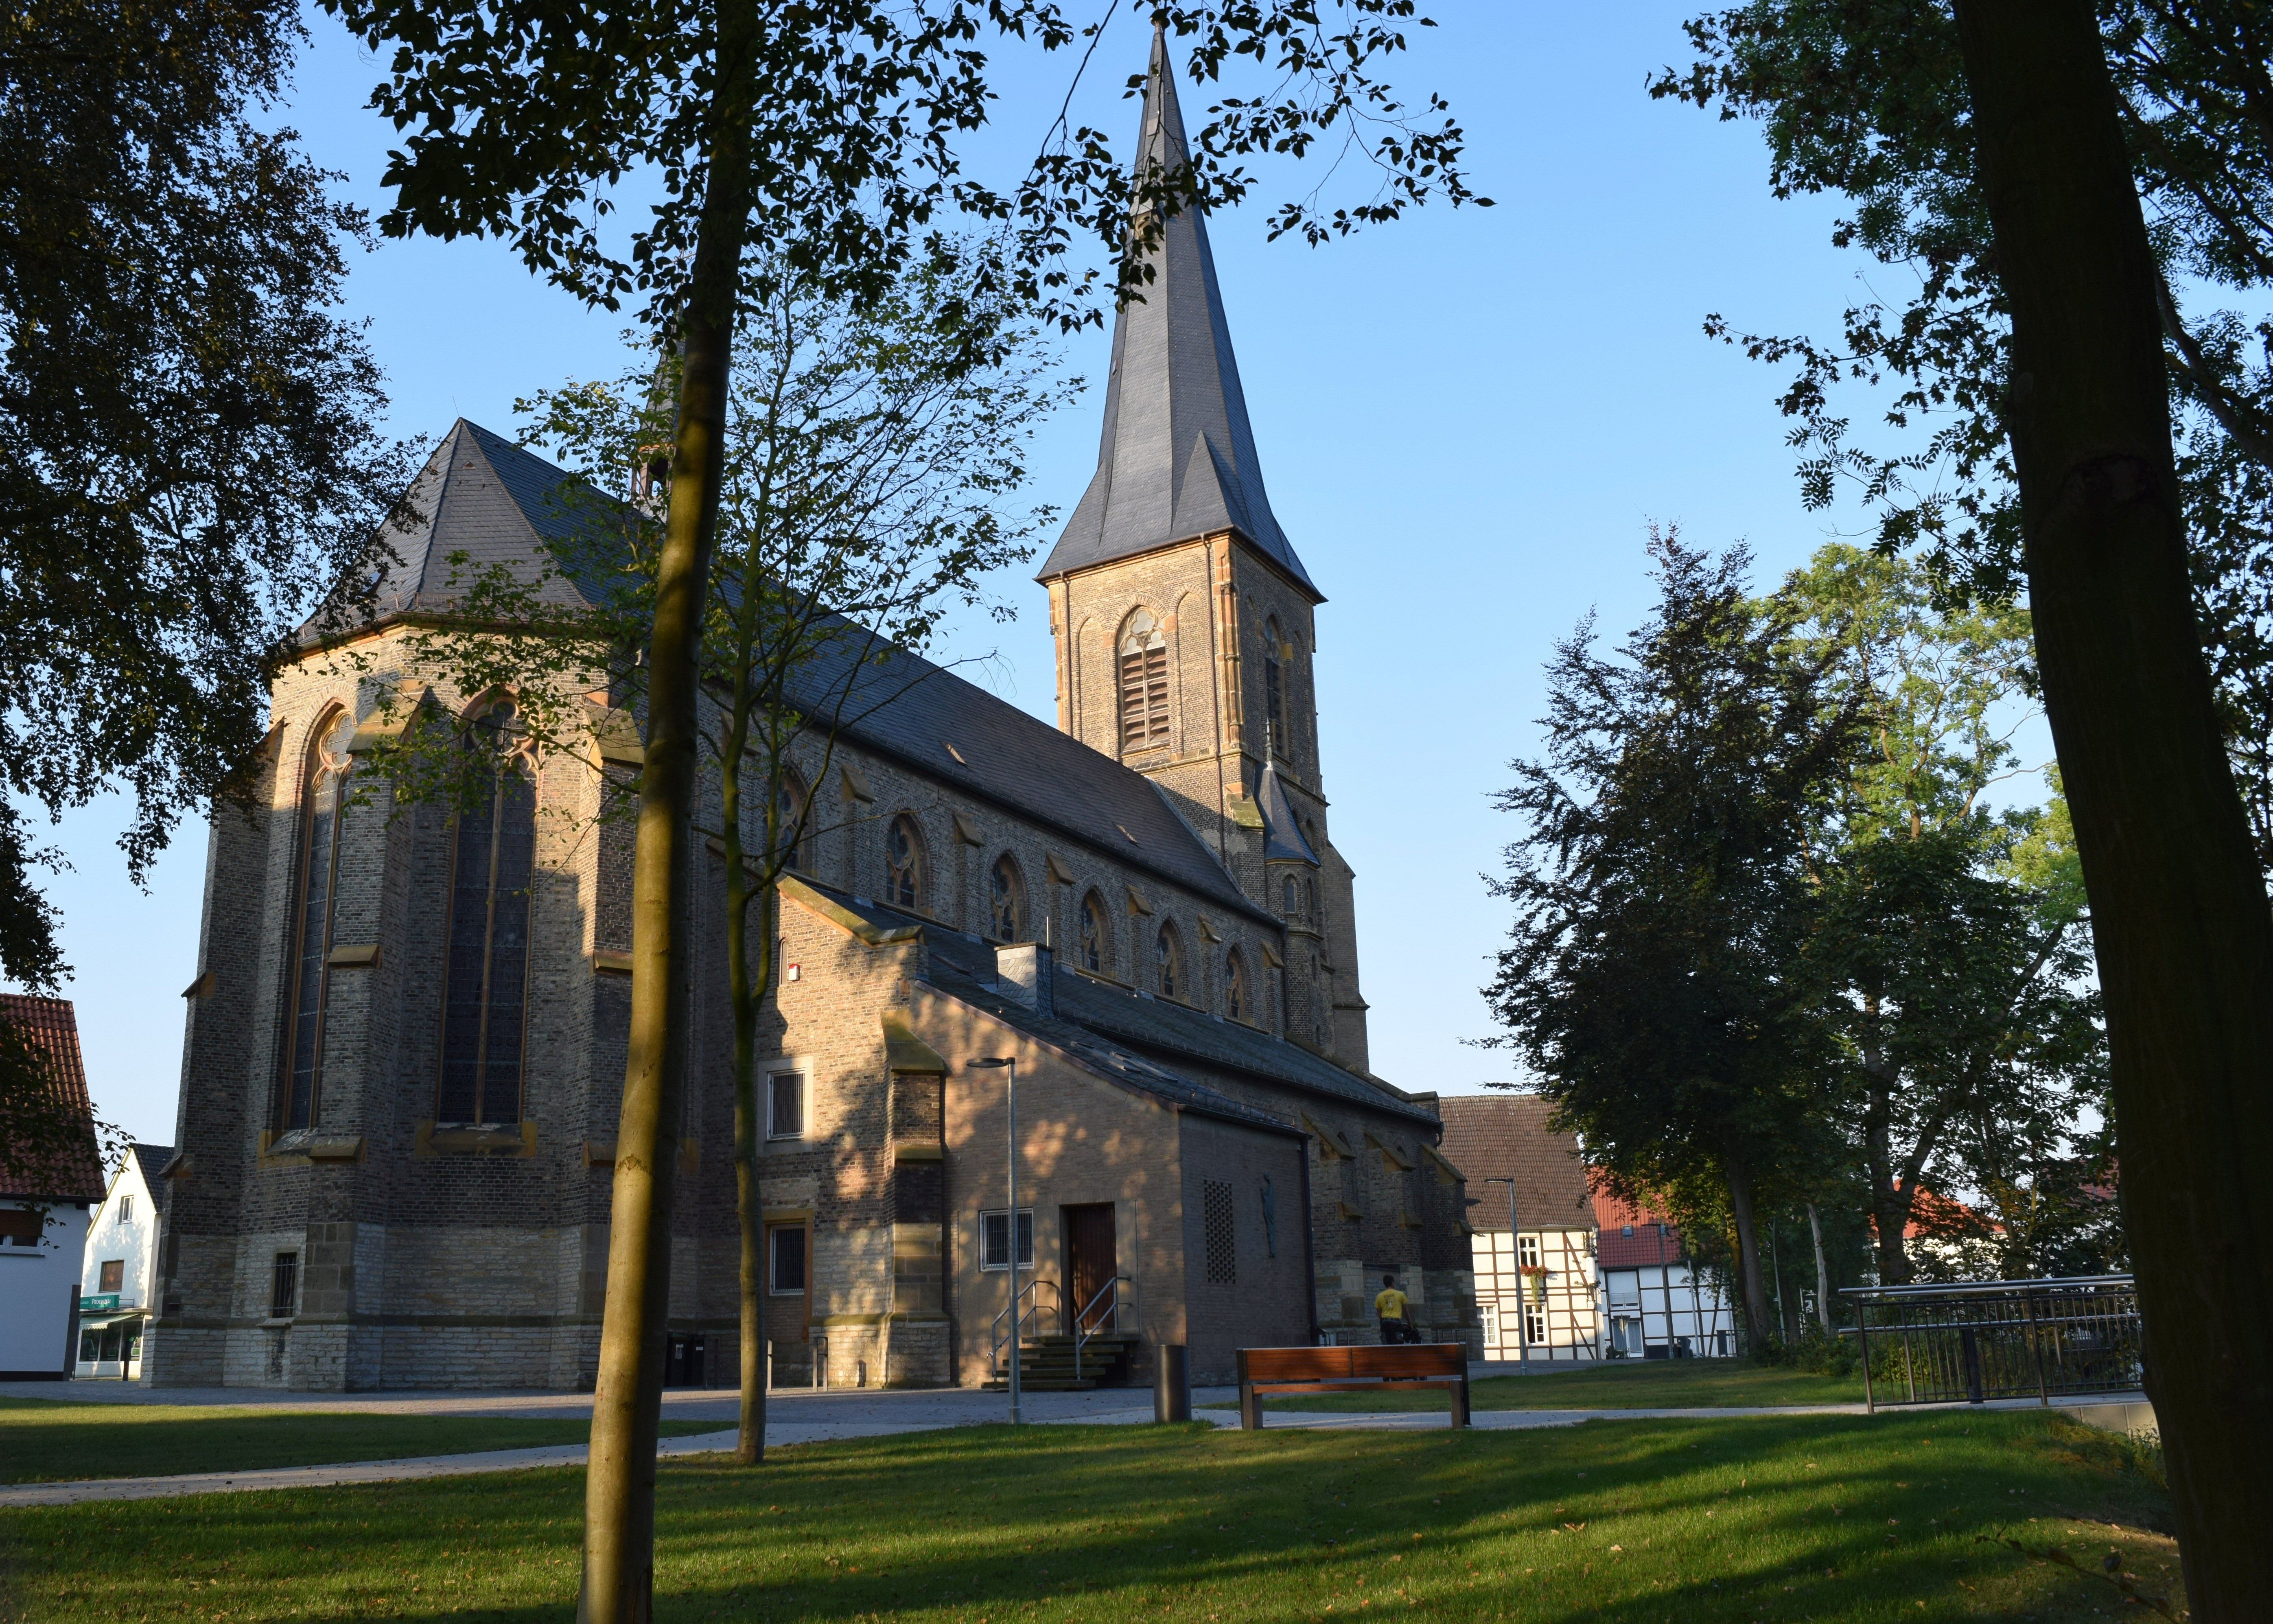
(1083, 1330)
(1032, 1311)
(2003, 1338)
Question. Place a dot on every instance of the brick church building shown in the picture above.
(406, 1038)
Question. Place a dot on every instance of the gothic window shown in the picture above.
(1237, 1002)
(323, 808)
(1143, 683)
(485, 993)
(789, 806)
(1274, 686)
(1007, 899)
(905, 876)
(1291, 891)
(1096, 935)
(1168, 951)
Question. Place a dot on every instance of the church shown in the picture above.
(406, 1035)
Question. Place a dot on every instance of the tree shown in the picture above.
(1957, 986)
(189, 454)
(2178, 908)
(1868, 98)
(2012, 115)
(827, 133)
(1656, 978)
(866, 486)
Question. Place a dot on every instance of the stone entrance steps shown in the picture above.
(1045, 1364)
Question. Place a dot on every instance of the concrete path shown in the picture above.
(791, 1418)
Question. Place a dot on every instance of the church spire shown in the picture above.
(1177, 458)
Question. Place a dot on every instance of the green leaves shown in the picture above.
(192, 453)
(529, 119)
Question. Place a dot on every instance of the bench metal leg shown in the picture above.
(1251, 1408)
(1460, 1403)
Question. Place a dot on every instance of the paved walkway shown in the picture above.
(791, 1418)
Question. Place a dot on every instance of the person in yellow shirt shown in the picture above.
(1389, 1307)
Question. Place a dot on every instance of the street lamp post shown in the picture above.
(1515, 1246)
(1010, 1064)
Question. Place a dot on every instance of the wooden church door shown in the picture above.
(1091, 1259)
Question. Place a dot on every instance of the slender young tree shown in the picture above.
(2184, 935)
(827, 133)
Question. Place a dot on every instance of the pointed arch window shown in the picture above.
(789, 807)
(1096, 935)
(1290, 890)
(1238, 1002)
(1274, 686)
(486, 993)
(1006, 888)
(905, 878)
(1168, 956)
(323, 810)
(1143, 683)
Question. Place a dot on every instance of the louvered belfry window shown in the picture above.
(1144, 684)
(486, 993)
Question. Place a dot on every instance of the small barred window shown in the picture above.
(1221, 1237)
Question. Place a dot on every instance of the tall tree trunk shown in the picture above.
(2179, 922)
(1890, 1202)
(1748, 1249)
(619, 1578)
(1822, 1274)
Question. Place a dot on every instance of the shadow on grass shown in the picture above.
(1821, 1518)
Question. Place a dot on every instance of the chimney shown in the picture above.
(1023, 973)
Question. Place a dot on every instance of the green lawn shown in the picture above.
(47, 1440)
(1704, 1522)
(1617, 1384)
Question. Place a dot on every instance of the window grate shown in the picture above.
(284, 1285)
(1219, 1233)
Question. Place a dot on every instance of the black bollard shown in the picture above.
(1172, 1386)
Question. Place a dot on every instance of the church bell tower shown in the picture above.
(1185, 623)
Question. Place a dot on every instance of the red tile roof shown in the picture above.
(1506, 1136)
(72, 1171)
(1632, 1236)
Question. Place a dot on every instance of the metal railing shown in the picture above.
(1101, 1314)
(1027, 1306)
(1997, 1339)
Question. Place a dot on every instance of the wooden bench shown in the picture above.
(1351, 1370)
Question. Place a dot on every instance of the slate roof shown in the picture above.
(1130, 1036)
(154, 1159)
(1283, 840)
(903, 705)
(73, 1170)
(483, 496)
(1177, 457)
(1506, 1136)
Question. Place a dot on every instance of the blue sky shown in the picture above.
(1465, 421)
